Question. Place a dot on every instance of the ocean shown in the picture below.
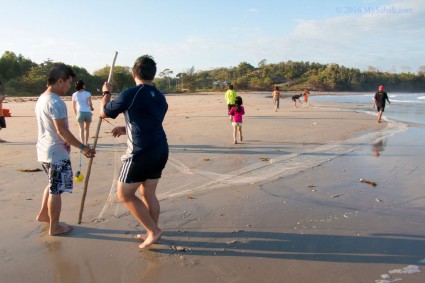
(392, 154)
(404, 107)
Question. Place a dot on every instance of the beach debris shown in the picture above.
(232, 242)
(189, 198)
(238, 231)
(186, 214)
(180, 248)
(29, 170)
(369, 182)
(264, 159)
(206, 159)
(379, 200)
(312, 188)
(336, 196)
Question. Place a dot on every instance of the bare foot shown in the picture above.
(141, 237)
(241, 138)
(235, 142)
(61, 228)
(151, 239)
(43, 218)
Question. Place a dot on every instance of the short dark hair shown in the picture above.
(79, 85)
(145, 68)
(59, 71)
(230, 86)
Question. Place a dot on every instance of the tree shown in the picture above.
(189, 77)
(121, 78)
(244, 68)
(262, 63)
(12, 66)
(166, 74)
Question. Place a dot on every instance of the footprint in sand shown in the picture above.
(5, 256)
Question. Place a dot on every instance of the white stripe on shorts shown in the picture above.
(124, 170)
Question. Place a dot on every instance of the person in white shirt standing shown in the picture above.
(54, 145)
(82, 104)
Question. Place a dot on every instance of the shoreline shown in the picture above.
(229, 212)
(312, 93)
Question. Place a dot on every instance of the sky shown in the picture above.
(206, 34)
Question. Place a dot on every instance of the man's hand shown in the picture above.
(107, 87)
(118, 131)
(88, 152)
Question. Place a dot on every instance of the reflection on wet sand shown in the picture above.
(379, 146)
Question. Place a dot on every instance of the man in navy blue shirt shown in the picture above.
(379, 101)
(144, 108)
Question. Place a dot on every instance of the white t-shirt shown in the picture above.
(82, 99)
(50, 146)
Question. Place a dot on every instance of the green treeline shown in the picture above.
(22, 77)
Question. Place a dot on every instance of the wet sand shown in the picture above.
(285, 205)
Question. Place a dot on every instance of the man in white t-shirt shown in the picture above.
(53, 146)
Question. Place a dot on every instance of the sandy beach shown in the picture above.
(285, 205)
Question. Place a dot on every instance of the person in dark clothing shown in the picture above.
(144, 108)
(379, 101)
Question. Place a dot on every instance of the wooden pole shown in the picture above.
(86, 181)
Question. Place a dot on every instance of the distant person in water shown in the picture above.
(276, 98)
(306, 95)
(295, 98)
(379, 101)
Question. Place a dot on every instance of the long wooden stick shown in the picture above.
(86, 181)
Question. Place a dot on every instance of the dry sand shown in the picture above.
(286, 205)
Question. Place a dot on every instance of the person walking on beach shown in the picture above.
(82, 105)
(2, 119)
(306, 95)
(230, 96)
(276, 98)
(236, 112)
(144, 108)
(295, 98)
(53, 146)
(379, 101)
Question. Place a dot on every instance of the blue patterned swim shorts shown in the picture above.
(60, 176)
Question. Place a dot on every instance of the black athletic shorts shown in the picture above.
(146, 165)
